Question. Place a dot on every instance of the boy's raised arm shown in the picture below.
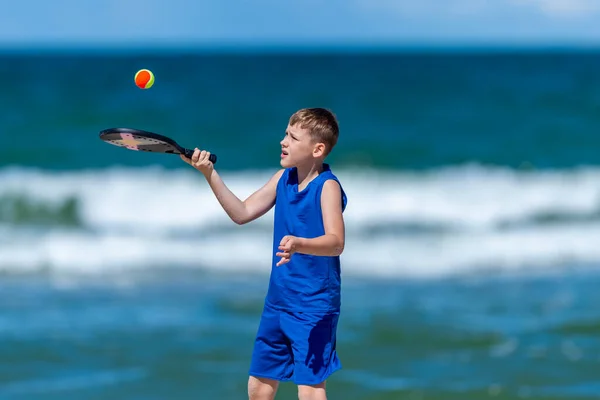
(240, 212)
(256, 205)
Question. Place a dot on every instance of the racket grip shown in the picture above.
(189, 153)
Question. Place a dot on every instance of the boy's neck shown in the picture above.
(307, 173)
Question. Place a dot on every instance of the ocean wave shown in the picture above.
(398, 223)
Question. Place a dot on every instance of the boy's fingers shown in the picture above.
(282, 261)
(196, 155)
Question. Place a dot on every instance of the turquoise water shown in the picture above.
(471, 260)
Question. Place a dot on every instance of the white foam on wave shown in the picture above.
(76, 252)
(138, 219)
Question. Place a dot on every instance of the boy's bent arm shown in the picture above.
(256, 205)
(332, 242)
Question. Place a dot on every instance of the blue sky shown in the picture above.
(189, 22)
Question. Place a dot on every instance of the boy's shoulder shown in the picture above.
(276, 177)
(329, 175)
(332, 188)
(283, 173)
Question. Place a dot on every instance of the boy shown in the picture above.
(296, 338)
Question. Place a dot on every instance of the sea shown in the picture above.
(472, 259)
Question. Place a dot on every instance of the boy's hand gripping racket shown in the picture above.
(139, 140)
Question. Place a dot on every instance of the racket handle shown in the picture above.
(189, 153)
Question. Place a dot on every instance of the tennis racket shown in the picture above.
(139, 140)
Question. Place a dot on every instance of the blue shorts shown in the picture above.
(295, 346)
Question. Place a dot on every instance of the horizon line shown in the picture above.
(297, 47)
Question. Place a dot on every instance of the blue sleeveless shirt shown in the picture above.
(307, 282)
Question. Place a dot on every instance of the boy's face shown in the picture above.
(298, 147)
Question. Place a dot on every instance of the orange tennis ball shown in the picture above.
(144, 79)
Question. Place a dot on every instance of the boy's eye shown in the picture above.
(290, 135)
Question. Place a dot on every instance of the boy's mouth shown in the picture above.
(283, 153)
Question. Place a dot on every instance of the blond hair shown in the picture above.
(321, 123)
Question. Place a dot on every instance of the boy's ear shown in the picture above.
(319, 149)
